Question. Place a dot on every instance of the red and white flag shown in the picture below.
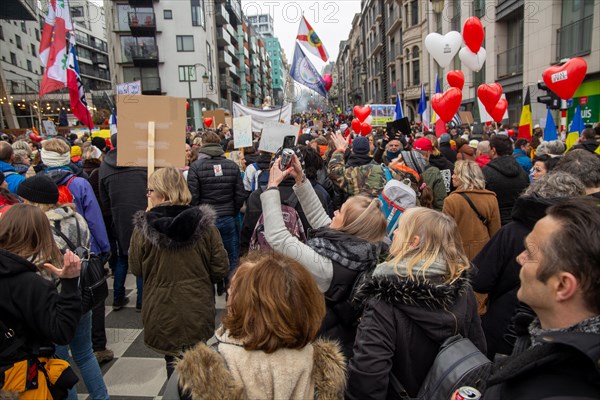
(53, 46)
(310, 40)
(76, 91)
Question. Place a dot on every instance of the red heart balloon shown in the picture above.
(362, 112)
(208, 122)
(365, 128)
(446, 104)
(456, 79)
(473, 34)
(497, 113)
(565, 79)
(35, 138)
(489, 95)
(356, 125)
(328, 81)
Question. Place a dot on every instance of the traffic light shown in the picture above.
(551, 100)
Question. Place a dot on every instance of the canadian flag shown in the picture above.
(76, 90)
(53, 46)
(310, 40)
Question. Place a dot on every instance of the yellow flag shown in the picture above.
(572, 138)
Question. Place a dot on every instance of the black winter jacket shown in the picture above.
(123, 191)
(498, 271)
(505, 177)
(402, 327)
(216, 181)
(33, 308)
(565, 366)
(448, 152)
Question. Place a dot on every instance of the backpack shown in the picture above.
(64, 194)
(458, 363)
(292, 222)
(92, 278)
(261, 178)
(395, 197)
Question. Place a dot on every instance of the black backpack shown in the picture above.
(92, 279)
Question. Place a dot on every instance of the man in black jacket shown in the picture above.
(558, 354)
(504, 176)
(217, 181)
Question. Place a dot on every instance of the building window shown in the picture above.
(416, 71)
(168, 14)
(575, 33)
(77, 12)
(479, 8)
(185, 43)
(414, 10)
(23, 27)
(187, 73)
(33, 50)
(197, 12)
(455, 21)
(209, 65)
(1, 33)
(29, 66)
(13, 58)
(406, 15)
(18, 40)
(41, 70)
(37, 34)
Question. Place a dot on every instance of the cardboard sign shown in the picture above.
(273, 134)
(466, 117)
(49, 128)
(130, 88)
(169, 116)
(242, 132)
(218, 117)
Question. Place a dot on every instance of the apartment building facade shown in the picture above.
(522, 39)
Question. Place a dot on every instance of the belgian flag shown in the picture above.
(526, 124)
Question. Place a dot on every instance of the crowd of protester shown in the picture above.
(499, 244)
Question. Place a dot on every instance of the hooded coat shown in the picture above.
(315, 371)
(123, 192)
(505, 177)
(34, 309)
(403, 324)
(179, 253)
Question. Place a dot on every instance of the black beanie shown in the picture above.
(39, 189)
(99, 143)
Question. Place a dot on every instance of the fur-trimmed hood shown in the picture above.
(204, 374)
(174, 227)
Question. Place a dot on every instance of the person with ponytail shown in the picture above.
(338, 250)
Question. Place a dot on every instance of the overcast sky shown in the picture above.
(331, 20)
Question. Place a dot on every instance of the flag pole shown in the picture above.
(283, 101)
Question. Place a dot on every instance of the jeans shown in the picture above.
(120, 273)
(81, 349)
(228, 229)
(98, 328)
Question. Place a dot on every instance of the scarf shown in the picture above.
(53, 159)
(347, 250)
(435, 271)
(358, 160)
(391, 155)
(590, 325)
(414, 160)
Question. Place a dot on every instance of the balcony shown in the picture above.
(223, 37)
(221, 16)
(225, 60)
(236, 89)
(510, 62)
(233, 70)
(23, 86)
(145, 55)
(235, 9)
(575, 39)
(99, 59)
(142, 23)
(393, 23)
(151, 86)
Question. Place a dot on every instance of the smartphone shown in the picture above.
(289, 142)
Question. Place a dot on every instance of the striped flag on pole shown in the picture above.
(55, 73)
(76, 90)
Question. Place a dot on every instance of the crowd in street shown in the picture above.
(329, 293)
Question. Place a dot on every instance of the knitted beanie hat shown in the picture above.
(360, 145)
(39, 189)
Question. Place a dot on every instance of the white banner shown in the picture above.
(273, 135)
(259, 117)
(130, 88)
(242, 131)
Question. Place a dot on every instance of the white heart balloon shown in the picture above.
(473, 61)
(443, 48)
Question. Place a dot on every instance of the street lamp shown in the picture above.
(189, 79)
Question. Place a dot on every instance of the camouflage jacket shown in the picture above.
(366, 179)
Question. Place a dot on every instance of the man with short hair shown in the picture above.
(521, 154)
(504, 176)
(588, 141)
(557, 355)
(585, 166)
(7, 158)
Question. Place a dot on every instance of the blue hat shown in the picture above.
(360, 145)
(445, 138)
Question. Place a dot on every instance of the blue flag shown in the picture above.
(399, 112)
(550, 129)
(305, 73)
(422, 101)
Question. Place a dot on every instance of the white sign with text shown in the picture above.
(242, 132)
(273, 134)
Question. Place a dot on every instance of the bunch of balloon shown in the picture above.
(362, 123)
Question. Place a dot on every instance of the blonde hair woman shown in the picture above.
(338, 249)
(474, 208)
(177, 251)
(412, 303)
